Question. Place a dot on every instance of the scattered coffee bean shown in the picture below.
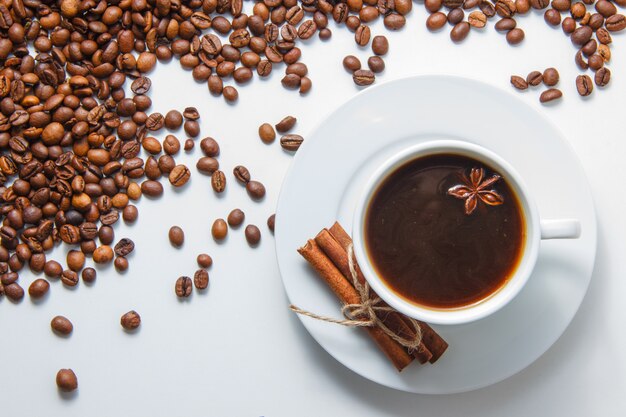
(66, 380)
(518, 82)
(380, 45)
(253, 234)
(235, 218)
(291, 142)
(201, 279)
(286, 124)
(351, 63)
(460, 31)
(176, 236)
(69, 278)
(515, 36)
(363, 77)
(241, 174)
(376, 64)
(534, 78)
(550, 77)
(38, 288)
(61, 325)
(131, 320)
(89, 275)
(602, 77)
(125, 246)
(121, 264)
(550, 95)
(477, 19)
(267, 133)
(436, 21)
(255, 190)
(219, 230)
(218, 181)
(271, 221)
(204, 260)
(207, 165)
(103, 254)
(75, 260)
(584, 85)
(179, 176)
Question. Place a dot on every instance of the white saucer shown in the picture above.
(330, 169)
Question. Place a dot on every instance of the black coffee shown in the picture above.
(444, 231)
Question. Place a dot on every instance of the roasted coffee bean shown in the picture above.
(61, 325)
(210, 147)
(376, 64)
(235, 218)
(436, 21)
(477, 19)
(550, 95)
(380, 45)
(580, 61)
(581, 35)
(130, 321)
(255, 189)
(602, 77)
(363, 77)
(152, 188)
(291, 142)
(584, 85)
(271, 221)
(456, 15)
(52, 269)
(218, 181)
(183, 287)
(176, 236)
(179, 176)
(534, 78)
(69, 278)
(201, 279)
(604, 52)
(286, 124)
(460, 31)
(616, 23)
(253, 235)
(219, 229)
(204, 260)
(124, 247)
(488, 8)
(505, 25)
(103, 254)
(515, 36)
(241, 174)
(550, 77)
(604, 37)
(552, 17)
(121, 264)
(590, 47)
(267, 133)
(75, 260)
(362, 35)
(141, 85)
(518, 82)
(595, 62)
(66, 380)
(173, 119)
(351, 63)
(14, 291)
(207, 165)
(89, 275)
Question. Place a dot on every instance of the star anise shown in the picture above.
(475, 188)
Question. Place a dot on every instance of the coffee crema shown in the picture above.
(432, 246)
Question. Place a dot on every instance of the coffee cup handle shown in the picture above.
(560, 229)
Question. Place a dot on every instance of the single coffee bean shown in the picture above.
(580, 61)
(568, 25)
(14, 291)
(253, 235)
(218, 181)
(602, 77)
(550, 95)
(518, 82)
(75, 260)
(176, 236)
(255, 190)
(179, 176)
(286, 124)
(616, 23)
(103, 254)
(515, 36)
(604, 37)
(189, 145)
(505, 25)
(236, 218)
(291, 81)
(362, 35)
(561, 5)
(351, 63)
(267, 133)
(584, 85)
(201, 279)
(488, 8)
(460, 31)
(552, 17)
(207, 165)
(121, 264)
(363, 77)
(191, 113)
(131, 320)
(534, 78)
(69, 278)
(394, 21)
(141, 85)
(152, 188)
(204, 260)
(455, 16)
(210, 147)
(376, 64)
(380, 45)
(38, 288)
(66, 380)
(241, 174)
(271, 221)
(219, 229)
(89, 275)
(550, 77)
(61, 325)
(173, 120)
(124, 247)
(436, 21)
(606, 8)
(130, 213)
(291, 142)
(595, 62)
(477, 19)
(52, 269)
(581, 35)
(522, 6)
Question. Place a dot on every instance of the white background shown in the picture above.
(236, 350)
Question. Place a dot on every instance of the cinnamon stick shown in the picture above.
(431, 339)
(348, 295)
(394, 321)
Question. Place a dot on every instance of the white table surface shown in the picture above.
(237, 350)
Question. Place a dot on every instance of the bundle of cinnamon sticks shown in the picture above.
(328, 255)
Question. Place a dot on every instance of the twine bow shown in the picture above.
(366, 313)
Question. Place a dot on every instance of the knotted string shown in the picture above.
(365, 313)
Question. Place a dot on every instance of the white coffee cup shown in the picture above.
(536, 230)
